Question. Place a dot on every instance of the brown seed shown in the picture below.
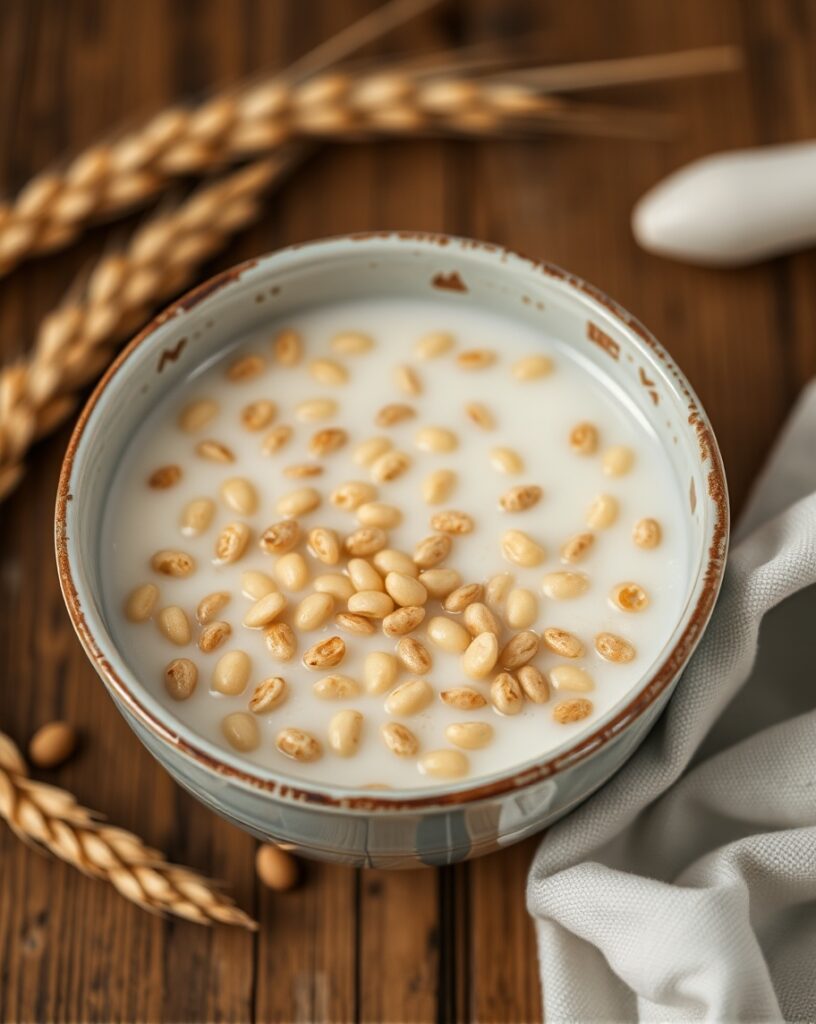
(276, 439)
(231, 543)
(393, 413)
(414, 655)
(277, 869)
(577, 547)
(141, 602)
(563, 586)
(534, 684)
(520, 498)
(403, 620)
(629, 597)
(326, 653)
(302, 470)
(562, 642)
(354, 623)
(213, 635)
(520, 549)
(52, 744)
(214, 451)
(583, 439)
(399, 739)
(519, 649)
(241, 731)
(299, 745)
(351, 495)
(336, 687)
(646, 533)
(352, 343)
(568, 711)
(163, 477)
(506, 694)
(264, 610)
(324, 442)
(328, 372)
(457, 600)
(475, 358)
(259, 414)
(464, 698)
(389, 466)
(287, 347)
(614, 648)
(240, 494)
(432, 550)
(174, 624)
(324, 544)
(368, 540)
(196, 516)
(452, 522)
(480, 415)
(478, 618)
(407, 380)
(280, 537)
(299, 502)
(197, 415)
(180, 678)
(173, 563)
(268, 695)
(440, 582)
(437, 486)
(280, 641)
(245, 368)
(481, 655)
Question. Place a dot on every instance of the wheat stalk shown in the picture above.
(50, 818)
(74, 342)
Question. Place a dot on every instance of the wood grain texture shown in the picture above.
(449, 945)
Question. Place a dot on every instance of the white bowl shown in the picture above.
(381, 828)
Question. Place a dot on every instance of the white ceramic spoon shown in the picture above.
(733, 208)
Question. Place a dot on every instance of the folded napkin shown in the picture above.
(685, 889)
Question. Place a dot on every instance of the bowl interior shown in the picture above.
(198, 328)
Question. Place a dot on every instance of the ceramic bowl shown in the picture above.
(364, 827)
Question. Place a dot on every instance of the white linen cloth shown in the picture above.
(685, 889)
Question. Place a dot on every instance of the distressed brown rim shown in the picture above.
(646, 696)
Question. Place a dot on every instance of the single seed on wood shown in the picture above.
(345, 730)
(280, 641)
(313, 611)
(336, 688)
(407, 381)
(464, 698)
(437, 486)
(351, 343)
(231, 543)
(245, 368)
(231, 673)
(367, 451)
(287, 347)
(299, 502)
(213, 635)
(240, 495)
(324, 544)
(505, 460)
(458, 599)
(506, 694)
(646, 533)
(414, 655)
(377, 513)
(519, 499)
(532, 368)
(241, 731)
(617, 461)
(326, 441)
(409, 698)
(276, 439)
(164, 477)
(277, 869)
(255, 584)
(432, 550)
(562, 642)
(399, 739)
(563, 586)
(299, 745)
(173, 563)
(480, 415)
(328, 372)
(52, 744)
(368, 540)
(405, 590)
(393, 413)
(452, 521)
(478, 618)
(432, 345)
(436, 440)
(469, 735)
(265, 610)
(444, 764)
(354, 623)
(403, 620)
(519, 649)
(180, 678)
(174, 624)
(481, 656)
(521, 608)
(197, 415)
(440, 582)
(568, 711)
(196, 516)
(380, 670)
(629, 597)
(520, 549)
(373, 604)
(351, 495)
(571, 677)
(389, 466)
(534, 684)
(602, 513)
(258, 415)
(583, 439)
(314, 409)
(268, 695)
(214, 451)
(475, 358)
(577, 547)
(141, 602)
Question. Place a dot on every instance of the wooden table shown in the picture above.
(430, 945)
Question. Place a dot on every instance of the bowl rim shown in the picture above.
(665, 669)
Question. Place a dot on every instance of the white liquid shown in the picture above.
(533, 417)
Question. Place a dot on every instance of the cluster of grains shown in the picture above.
(326, 590)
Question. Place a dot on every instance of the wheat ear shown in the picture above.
(50, 818)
